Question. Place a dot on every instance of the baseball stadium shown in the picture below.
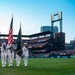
(48, 53)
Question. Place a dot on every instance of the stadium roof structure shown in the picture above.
(5, 35)
(40, 34)
(30, 36)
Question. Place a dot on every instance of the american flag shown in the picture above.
(10, 34)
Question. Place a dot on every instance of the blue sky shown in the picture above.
(36, 13)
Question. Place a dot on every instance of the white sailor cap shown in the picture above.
(4, 43)
(25, 43)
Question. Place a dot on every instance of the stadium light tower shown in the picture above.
(59, 15)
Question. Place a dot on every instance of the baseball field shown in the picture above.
(41, 66)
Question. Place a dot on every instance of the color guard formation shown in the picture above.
(8, 51)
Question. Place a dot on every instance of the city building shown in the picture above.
(49, 28)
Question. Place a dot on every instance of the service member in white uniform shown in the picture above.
(10, 52)
(18, 59)
(25, 54)
(3, 54)
(13, 48)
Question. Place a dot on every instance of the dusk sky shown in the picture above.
(36, 13)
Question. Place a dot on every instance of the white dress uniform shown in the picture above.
(18, 59)
(10, 52)
(25, 54)
(3, 54)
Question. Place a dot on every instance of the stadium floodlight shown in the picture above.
(52, 17)
(59, 14)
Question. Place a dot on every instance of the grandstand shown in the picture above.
(41, 44)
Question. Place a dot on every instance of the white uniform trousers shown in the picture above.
(3, 58)
(10, 58)
(18, 60)
(25, 60)
(26, 55)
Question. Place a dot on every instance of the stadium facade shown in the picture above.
(41, 44)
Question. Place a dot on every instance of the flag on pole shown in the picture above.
(19, 48)
(10, 34)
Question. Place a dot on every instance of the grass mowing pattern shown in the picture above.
(42, 66)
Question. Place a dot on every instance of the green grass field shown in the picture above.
(42, 66)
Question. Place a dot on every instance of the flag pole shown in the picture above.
(20, 24)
